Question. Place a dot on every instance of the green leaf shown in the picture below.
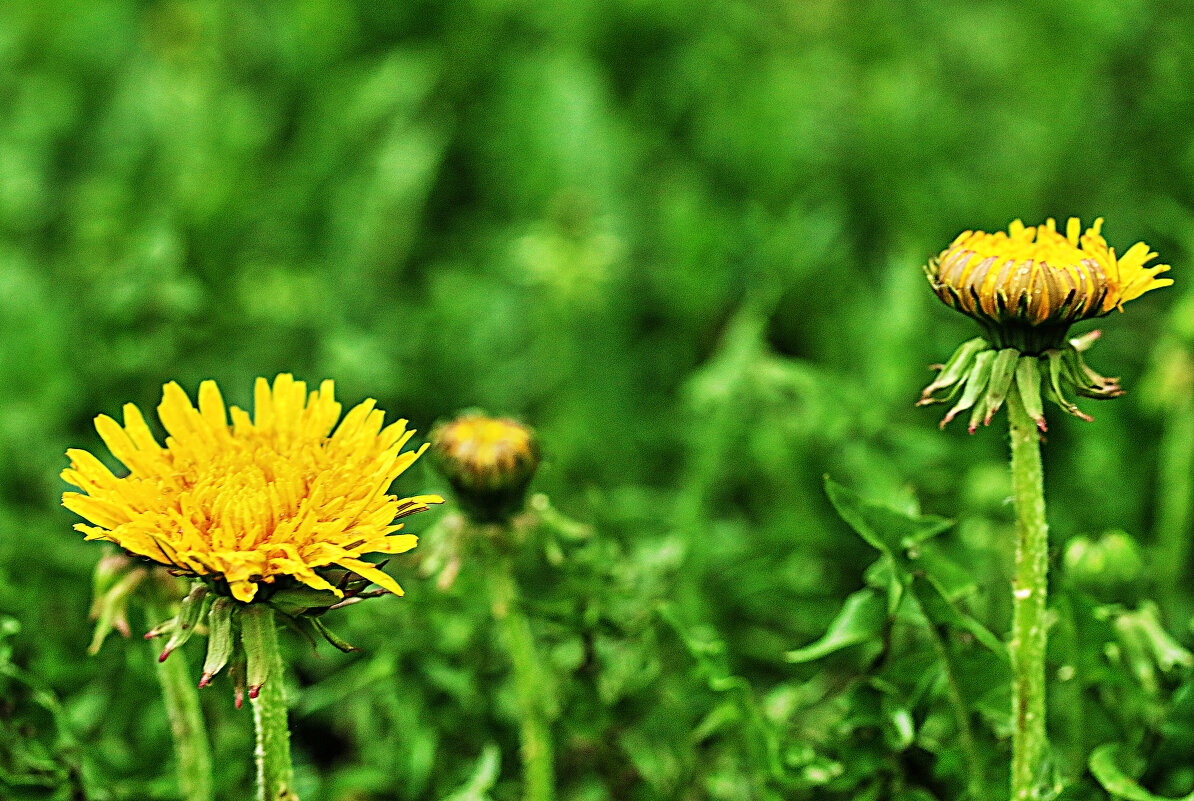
(954, 580)
(899, 730)
(1104, 764)
(862, 618)
(721, 716)
(760, 736)
(940, 612)
(890, 531)
(484, 776)
(897, 535)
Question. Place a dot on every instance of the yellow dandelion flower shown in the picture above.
(1027, 286)
(251, 501)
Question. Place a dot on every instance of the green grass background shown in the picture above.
(683, 240)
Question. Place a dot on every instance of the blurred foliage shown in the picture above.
(682, 238)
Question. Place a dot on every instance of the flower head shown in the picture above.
(1029, 285)
(488, 460)
(276, 498)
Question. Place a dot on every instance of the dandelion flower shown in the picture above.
(251, 502)
(1026, 288)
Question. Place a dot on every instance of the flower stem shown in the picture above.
(186, 720)
(536, 746)
(275, 776)
(1175, 500)
(1027, 645)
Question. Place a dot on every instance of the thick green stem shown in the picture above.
(1029, 744)
(275, 776)
(536, 746)
(1174, 502)
(186, 720)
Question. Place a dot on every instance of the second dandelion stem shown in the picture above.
(186, 719)
(1175, 501)
(1029, 744)
(536, 745)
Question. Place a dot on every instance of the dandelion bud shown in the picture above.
(489, 462)
(115, 580)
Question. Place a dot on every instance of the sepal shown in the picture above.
(985, 376)
(221, 639)
(242, 635)
(958, 365)
(259, 637)
(334, 639)
(191, 611)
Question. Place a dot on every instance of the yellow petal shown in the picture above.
(370, 571)
(242, 590)
(211, 406)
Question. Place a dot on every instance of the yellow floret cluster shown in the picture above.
(247, 501)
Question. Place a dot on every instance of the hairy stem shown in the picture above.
(186, 720)
(536, 746)
(1029, 744)
(275, 776)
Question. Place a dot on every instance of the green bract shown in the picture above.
(984, 376)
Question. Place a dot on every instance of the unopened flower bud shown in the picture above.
(488, 461)
(116, 578)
